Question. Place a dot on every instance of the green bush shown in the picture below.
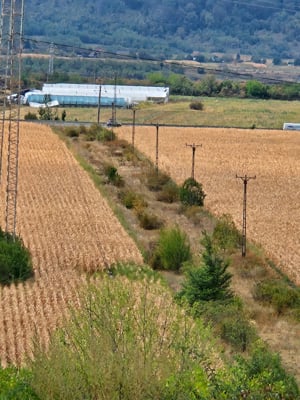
(238, 332)
(113, 176)
(48, 114)
(196, 105)
(229, 321)
(169, 193)
(106, 352)
(15, 260)
(260, 377)
(15, 384)
(30, 116)
(173, 249)
(191, 193)
(98, 132)
(279, 294)
(225, 235)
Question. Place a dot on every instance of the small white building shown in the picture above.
(68, 94)
(291, 126)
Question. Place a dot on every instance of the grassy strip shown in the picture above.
(224, 112)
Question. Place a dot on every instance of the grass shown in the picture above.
(227, 112)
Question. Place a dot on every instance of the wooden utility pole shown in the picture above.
(193, 146)
(133, 128)
(156, 148)
(245, 180)
(114, 104)
(99, 104)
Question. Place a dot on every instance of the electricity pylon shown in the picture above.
(11, 35)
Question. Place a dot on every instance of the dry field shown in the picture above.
(273, 198)
(68, 227)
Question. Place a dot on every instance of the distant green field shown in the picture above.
(227, 112)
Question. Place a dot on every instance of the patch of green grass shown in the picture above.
(279, 294)
(218, 111)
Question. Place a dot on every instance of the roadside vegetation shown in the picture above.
(196, 342)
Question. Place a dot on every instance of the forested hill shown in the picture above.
(263, 28)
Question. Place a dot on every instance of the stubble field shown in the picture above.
(273, 206)
(68, 227)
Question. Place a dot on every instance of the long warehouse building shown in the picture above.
(66, 94)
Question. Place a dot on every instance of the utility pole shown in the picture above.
(133, 128)
(113, 108)
(245, 180)
(156, 148)
(51, 59)
(99, 104)
(193, 146)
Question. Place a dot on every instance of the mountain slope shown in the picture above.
(167, 27)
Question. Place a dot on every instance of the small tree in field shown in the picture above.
(210, 281)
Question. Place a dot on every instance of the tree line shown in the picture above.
(211, 86)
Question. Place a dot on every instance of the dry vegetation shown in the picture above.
(68, 227)
(273, 212)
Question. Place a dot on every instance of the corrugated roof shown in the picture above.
(88, 94)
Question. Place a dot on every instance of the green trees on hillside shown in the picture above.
(168, 27)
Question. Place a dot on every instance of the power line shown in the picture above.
(244, 75)
(265, 5)
(184, 65)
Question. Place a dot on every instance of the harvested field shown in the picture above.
(68, 227)
(273, 206)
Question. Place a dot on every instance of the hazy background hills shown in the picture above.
(169, 27)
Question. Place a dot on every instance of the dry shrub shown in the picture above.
(155, 180)
(149, 221)
(196, 105)
(252, 267)
(169, 193)
(132, 200)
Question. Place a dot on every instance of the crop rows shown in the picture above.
(68, 227)
(273, 206)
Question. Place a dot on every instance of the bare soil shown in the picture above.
(281, 333)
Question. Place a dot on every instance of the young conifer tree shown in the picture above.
(210, 281)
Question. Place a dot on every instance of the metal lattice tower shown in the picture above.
(51, 59)
(12, 16)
